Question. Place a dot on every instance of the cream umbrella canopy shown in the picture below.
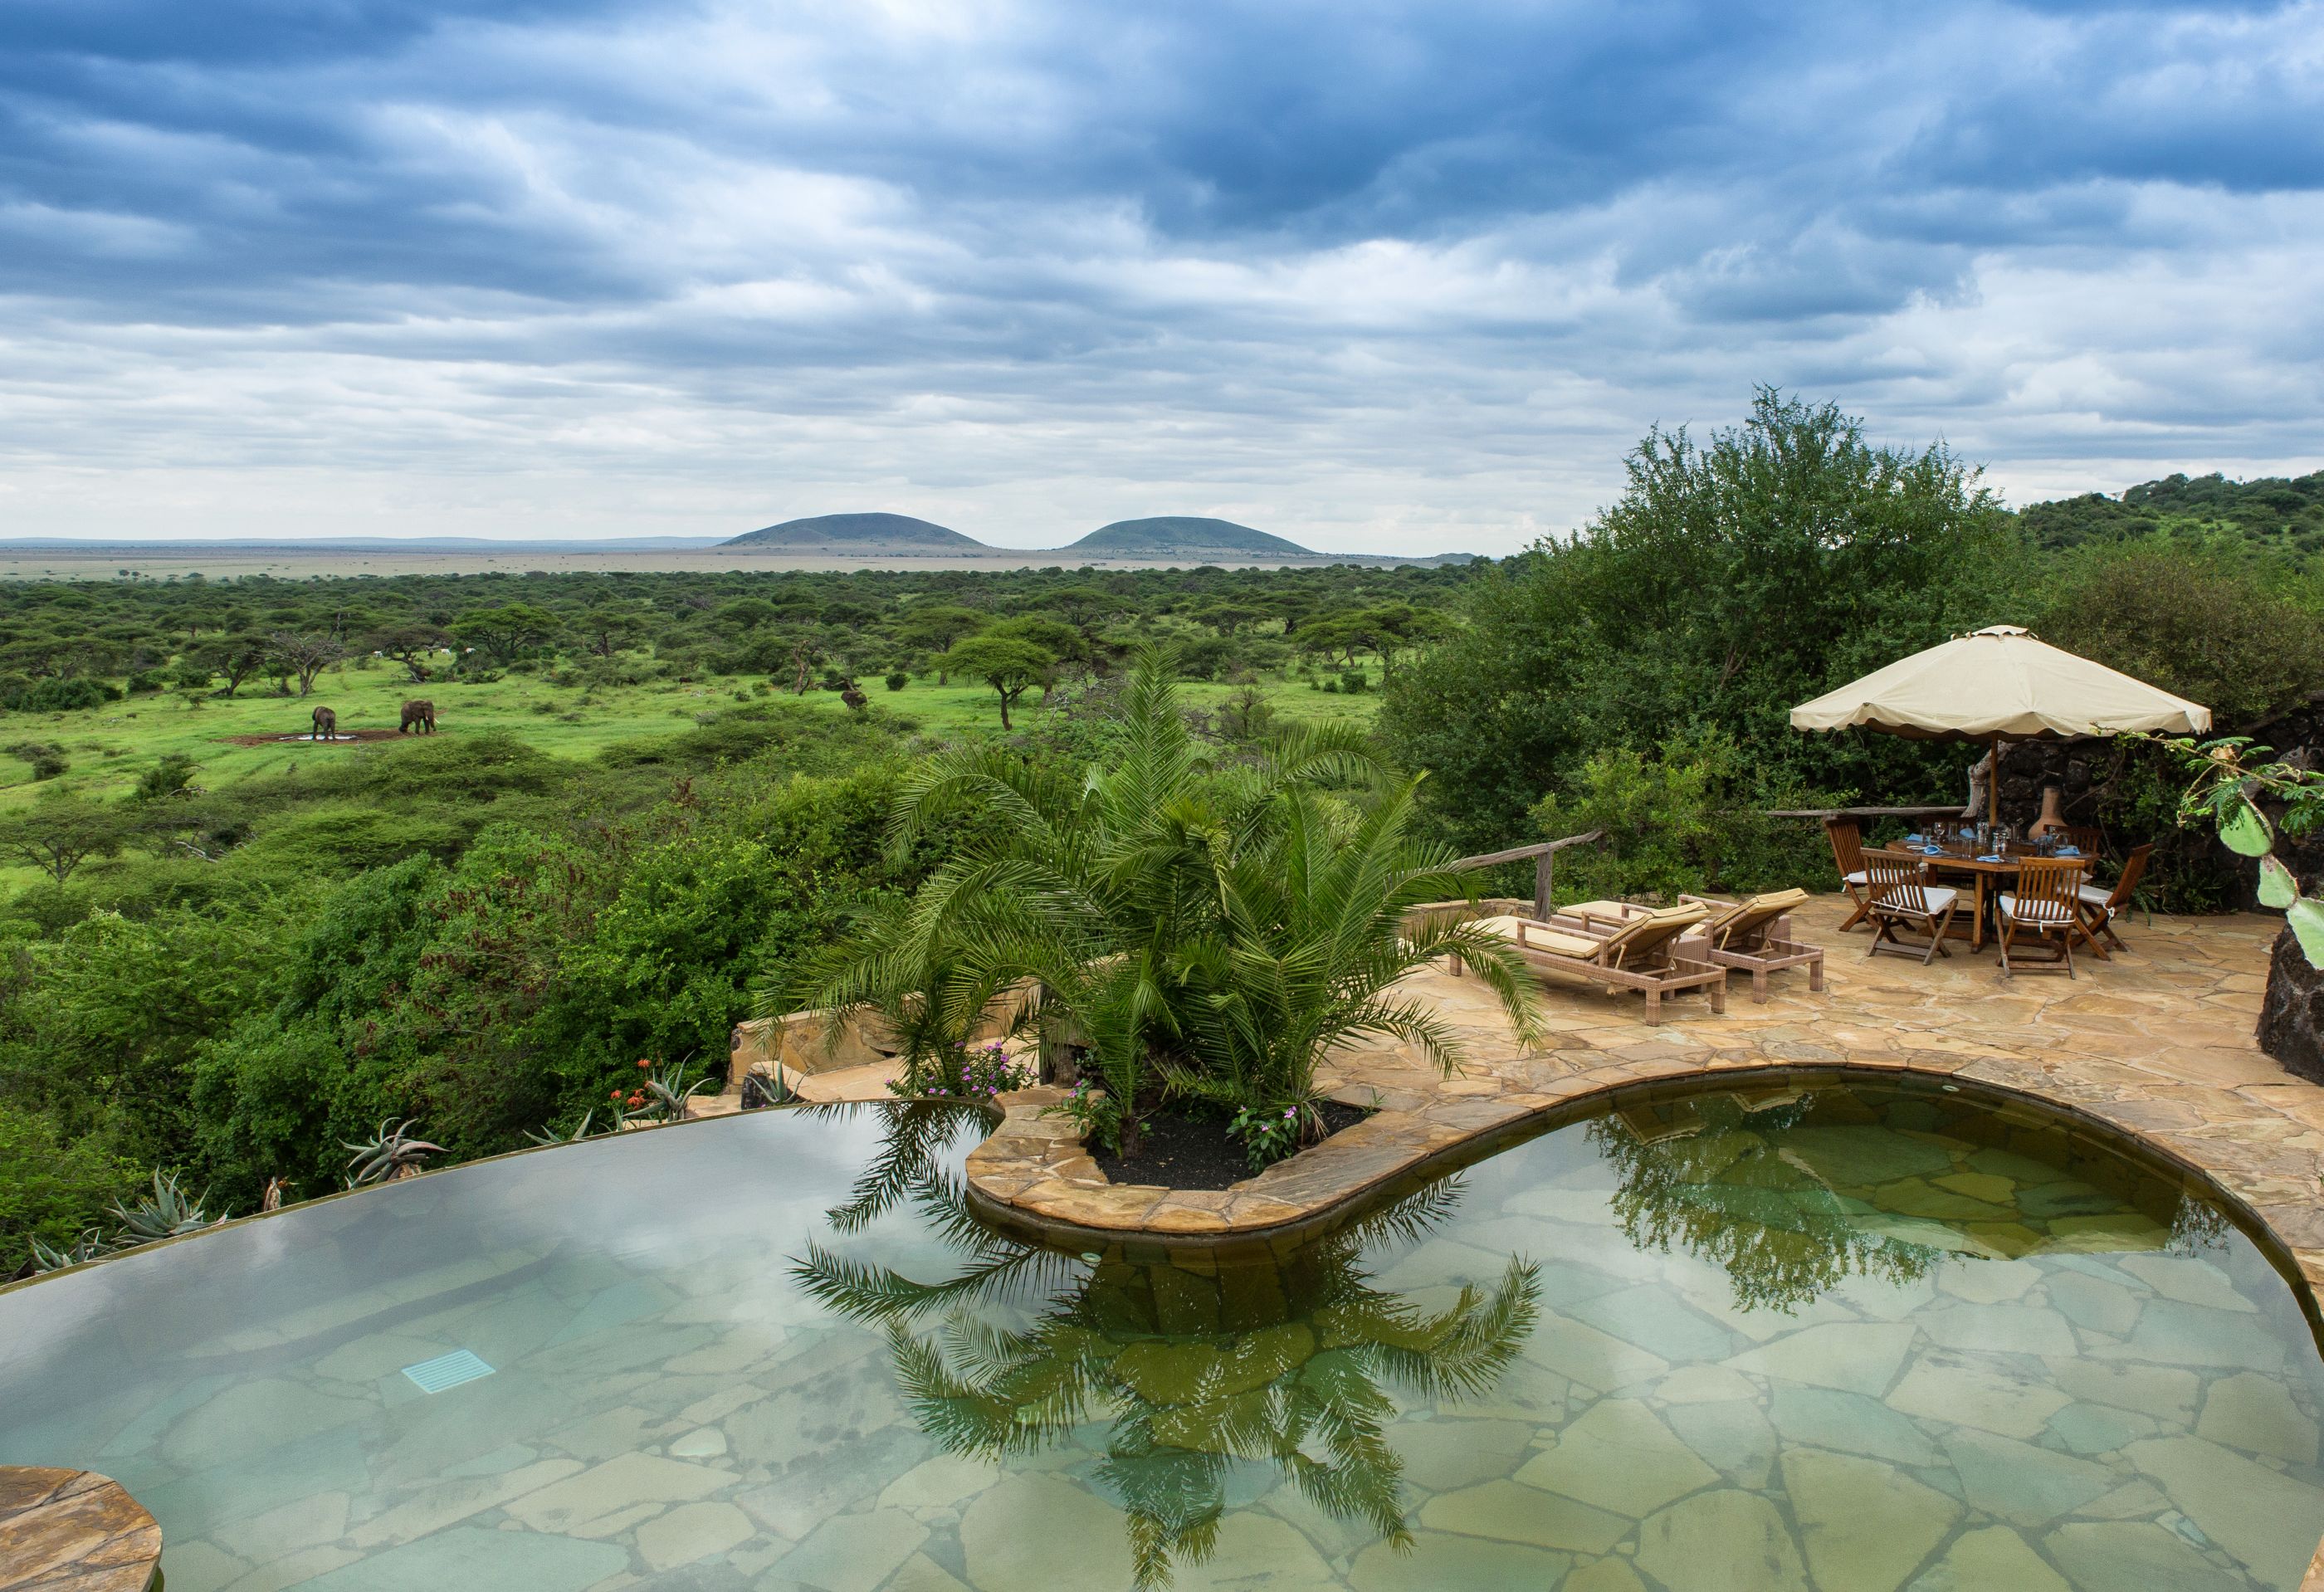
(2000, 683)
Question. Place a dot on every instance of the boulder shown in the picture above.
(2291, 1016)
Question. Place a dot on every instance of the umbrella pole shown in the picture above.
(1993, 786)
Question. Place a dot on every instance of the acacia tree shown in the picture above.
(58, 833)
(411, 645)
(1010, 665)
(234, 659)
(304, 654)
(506, 634)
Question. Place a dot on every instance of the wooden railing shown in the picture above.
(1543, 855)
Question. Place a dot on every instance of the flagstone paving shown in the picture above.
(2157, 1041)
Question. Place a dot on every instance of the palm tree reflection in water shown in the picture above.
(1283, 1360)
(1714, 1176)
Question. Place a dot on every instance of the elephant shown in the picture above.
(327, 724)
(418, 711)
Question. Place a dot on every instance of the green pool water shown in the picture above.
(1815, 1332)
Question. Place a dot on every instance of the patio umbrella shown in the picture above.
(2000, 683)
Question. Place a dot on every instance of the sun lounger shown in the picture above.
(1638, 952)
(1753, 934)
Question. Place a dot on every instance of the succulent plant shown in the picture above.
(660, 1096)
(760, 1090)
(166, 1214)
(392, 1154)
(90, 1246)
(550, 1136)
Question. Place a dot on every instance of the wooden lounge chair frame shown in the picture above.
(2047, 902)
(1900, 892)
(1754, 936)
(1637, 955)
(1847, 837)
(2096, 927)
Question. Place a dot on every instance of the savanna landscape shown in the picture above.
(653, 801)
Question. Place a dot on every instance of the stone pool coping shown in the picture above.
(2154, 1044)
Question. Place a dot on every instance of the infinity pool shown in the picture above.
(1819, 1332)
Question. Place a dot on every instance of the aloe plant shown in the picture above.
(91, 1245)
(393, 1152)
(550, 1136)
(168, 1213)
(661, 1095)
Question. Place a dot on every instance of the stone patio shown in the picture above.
(2157, 1041)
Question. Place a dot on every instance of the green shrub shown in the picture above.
(50, 1188)
(897, 679)
(1686, 820)
(47, 762)
(2209, 628)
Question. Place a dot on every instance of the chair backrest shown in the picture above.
(1647, 939)
(1742, 925)
(2088, 840)
(1847, 844)
(1895, 884)
(2132, 868)
(2046, 888)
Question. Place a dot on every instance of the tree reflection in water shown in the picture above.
(1714, 1176)
(1199, 1362)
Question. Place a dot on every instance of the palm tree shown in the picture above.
(1210, 924)
(1281, 1359)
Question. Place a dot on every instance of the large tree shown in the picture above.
(1010, 665)
(1734, 578)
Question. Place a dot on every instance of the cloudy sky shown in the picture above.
(1378, 277)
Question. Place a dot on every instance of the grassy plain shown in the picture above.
(109, 747)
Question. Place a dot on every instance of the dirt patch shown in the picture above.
(1188, 1152)
(344, 738)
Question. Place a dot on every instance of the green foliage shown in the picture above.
(2230, 780)
(1731, 581)
(172, 775)
(1010, 665)
(46, 760)
(1687, 819)
(53, 1188)
(1212, 928)
(2211, 629)
(2272, 513)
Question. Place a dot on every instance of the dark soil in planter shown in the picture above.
(1180, 1151)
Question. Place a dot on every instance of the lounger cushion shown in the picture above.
(1615, 909)
(2036, 912)
(1556, 942)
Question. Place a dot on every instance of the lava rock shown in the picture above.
(2291, 1017)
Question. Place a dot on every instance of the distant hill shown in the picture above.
(2271, 512)
(857, 533)
(1186, 536)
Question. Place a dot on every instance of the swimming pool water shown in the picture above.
(1811, 1332)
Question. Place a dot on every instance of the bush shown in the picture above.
(1685, 821)
(172, 775)
(2200, 624)
(56, 696)
(47, 762)
(193, 677)
(1353, 682)
(145, 680)
(50, 1190)
(897, 679)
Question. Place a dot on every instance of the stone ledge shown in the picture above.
(73, 1531)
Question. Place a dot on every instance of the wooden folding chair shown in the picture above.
(1847, 837)
(2097, 906)
(2046, 907)
(1898, 893)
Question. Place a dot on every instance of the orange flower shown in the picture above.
(643, 1062)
